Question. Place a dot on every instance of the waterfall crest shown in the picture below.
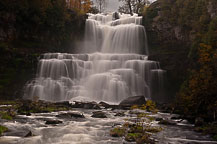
(110, 69)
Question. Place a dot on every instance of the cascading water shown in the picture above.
(110, 69)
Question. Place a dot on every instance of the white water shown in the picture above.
(110, 68)
(91, 130)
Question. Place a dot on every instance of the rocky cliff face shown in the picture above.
(166, 43)
(173, 27)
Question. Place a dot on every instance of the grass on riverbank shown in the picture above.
(2, 129)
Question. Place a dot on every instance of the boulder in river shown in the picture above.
(19, 133)
(29, 134)
(99, 114)
(158, 119)
(86, 105)
(120, 114)
(63, 103)
(167, 122)
(104, 104)
(70, 115)
(134, 100)
(53, 122)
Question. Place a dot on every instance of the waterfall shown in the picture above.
(110, 67)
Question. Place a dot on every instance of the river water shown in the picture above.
(91, 130)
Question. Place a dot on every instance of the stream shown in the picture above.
(91, 130)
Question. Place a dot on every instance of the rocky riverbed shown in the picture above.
(90, 122)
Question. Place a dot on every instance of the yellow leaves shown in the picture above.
(86, 5)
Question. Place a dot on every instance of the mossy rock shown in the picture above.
(136, 129)
(118, 132)
(153, 129)
(145, 139)
(132, 137)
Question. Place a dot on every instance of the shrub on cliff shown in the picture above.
(198, 96)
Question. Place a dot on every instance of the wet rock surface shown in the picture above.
(135, 100)
(53, 122)
(99, 114)
(19, 133)
(70, 115)
(120, 114)
(86, 105)
(167, 122)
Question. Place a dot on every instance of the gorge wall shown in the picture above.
(175, 28)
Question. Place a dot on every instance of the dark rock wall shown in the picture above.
(175, 28)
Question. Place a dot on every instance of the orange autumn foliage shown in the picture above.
(199, 94)
(82, 6)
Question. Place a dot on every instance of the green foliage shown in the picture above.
(4, 115)
(2, 129)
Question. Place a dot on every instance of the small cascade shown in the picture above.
(115, 34)
(110, 69)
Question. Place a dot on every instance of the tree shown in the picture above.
(127, 7)
(132, 6)
(101, 4)
(81, 6)
(198, 96)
